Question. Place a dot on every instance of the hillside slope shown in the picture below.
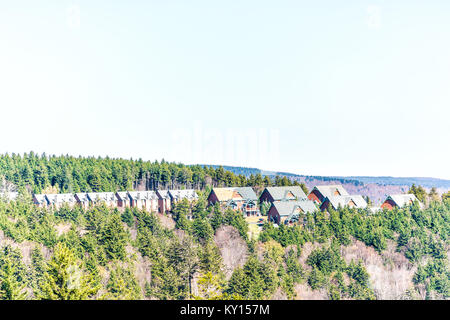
(133, 254)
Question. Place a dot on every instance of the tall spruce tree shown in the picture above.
(65, 279)
(10, 287)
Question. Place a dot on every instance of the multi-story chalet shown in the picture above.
(271, 194)
(319, 193)
(399, 200)
(147, 200)
(178, 195)
(108, 198)
(57, 200)
(82, 199)
(289, 211)
(236, 198)
(40, 200)
(123, 200)
(164, 201)
(352, 201)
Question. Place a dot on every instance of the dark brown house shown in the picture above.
(164, 201)
(123, 200)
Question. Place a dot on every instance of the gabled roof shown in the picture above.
(153, 195)
(122, 195)
(342, 201)
(142, 195)
(223, 194)
(286, 208)
(137, 195)
(40, 198)
(280, 193)
(164, 194)
(329, 190)
(101, 196)
(181, 194)
(226, 194)
(402, 200)
(60, 198)
(82, 196)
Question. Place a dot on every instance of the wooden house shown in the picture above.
(123, 200)
(82, 199)
(399, 200)
(58, 200)
(40, 200)
(237, 198)
(178, 195)
(352, 201)
(107, 198)
(164, 201)
(137, 199)
(319, 193)
(153, 201)
(146, 200)
(287, 212)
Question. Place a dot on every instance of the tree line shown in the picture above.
(65, 173)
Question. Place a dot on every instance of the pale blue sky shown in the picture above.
(329, 88)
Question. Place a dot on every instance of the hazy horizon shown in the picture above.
(323, 88)
(263, 170)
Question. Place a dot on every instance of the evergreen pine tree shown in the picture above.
(10, 287)
(64, 278)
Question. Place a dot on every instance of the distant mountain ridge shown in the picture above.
(377, 188)
(382, 180)
(423, 181)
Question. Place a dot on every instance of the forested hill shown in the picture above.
(134, 254)
(43, 173)
(405, 181)
(254, 171)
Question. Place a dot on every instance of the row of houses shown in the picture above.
(156, 201)
(287, 203)
(284, 204)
